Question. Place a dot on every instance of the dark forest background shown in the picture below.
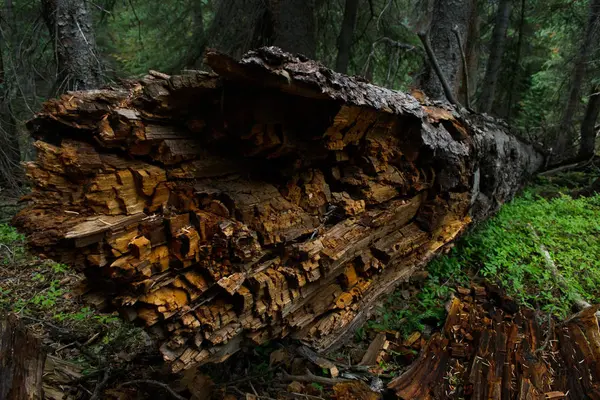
(534, 63)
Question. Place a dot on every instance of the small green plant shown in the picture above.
(48, 298)
(507, 251)
(9, 235)
(12, 245)
(317, 386)
(58, 268)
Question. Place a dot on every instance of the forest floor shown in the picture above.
(97, 355)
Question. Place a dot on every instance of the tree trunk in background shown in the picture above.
(70, 24)
(197, 43)
(517, 64)
(495, 60)
(565, 129)
(294, 25)
(471, 44)
(446, 15)
(346, 35)
(588, 129)
(10, 155)
(241, 25)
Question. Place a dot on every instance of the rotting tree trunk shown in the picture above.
(276, 198)
(587, 147)
(488, 90)
(21, 362)
(70, 25)
(346, 36)
(565, 129)
(447, 14)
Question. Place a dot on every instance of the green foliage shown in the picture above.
(141, 35)
(48, 298)
(317, 386)
(12, 245)
(506, 250)
(427, 305)
(9, 235)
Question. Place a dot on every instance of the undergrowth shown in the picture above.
(42, 293)
(507, 251)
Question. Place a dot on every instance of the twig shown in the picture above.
(64, 347)
(436, 67)
(309, 377)
(90, 340)
(567, 167)
(382, 11)
(155, 383)
(307, 396)
(543, 347)
(45, 323)
(578, 300)
(100, 386)
(464, 62)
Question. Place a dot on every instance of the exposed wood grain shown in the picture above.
(276, 198)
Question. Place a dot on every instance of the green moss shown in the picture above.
(506, 250)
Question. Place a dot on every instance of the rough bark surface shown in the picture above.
(21, 362)
(566, 132)
(294, 25)
(497, 43)
(70, 26)
(10, 155)
(346, 36)
(446, 15)
(276, 198)
(587, 147)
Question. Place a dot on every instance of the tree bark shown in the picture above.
(346, 36)
(565, 129)
(497, 43)
(286, 201)
(21, 362)
(70, 25)
(517, 64)
(446, 15)
(198, 42)
(10, 155)
(294, 25)
(587, 146)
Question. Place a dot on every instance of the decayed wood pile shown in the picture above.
(275, 197)
(491, 349)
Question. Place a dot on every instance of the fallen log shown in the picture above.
(273, 198)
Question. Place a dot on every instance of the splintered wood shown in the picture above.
(491, 349)
(275, 197)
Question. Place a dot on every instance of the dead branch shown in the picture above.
(164, 386)
(100, 386)
(436, 67)
(465, 68)
(310, 378)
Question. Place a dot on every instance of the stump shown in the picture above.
(21, 362)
